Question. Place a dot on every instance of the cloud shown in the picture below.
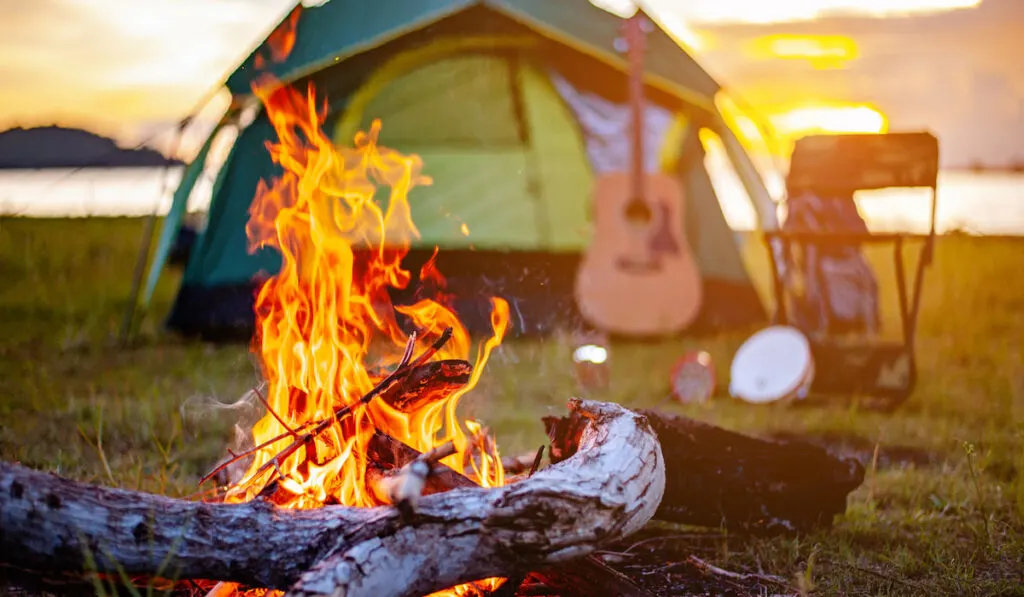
(82, 59)
(115, 64)
(781, 11)
(954, 73)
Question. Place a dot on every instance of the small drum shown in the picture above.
(693, 378)
(775, 364)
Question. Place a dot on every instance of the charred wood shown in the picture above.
(403, 487)
(428, 383)
(716, 477)
(388, 456)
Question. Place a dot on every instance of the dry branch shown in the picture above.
(610, 489)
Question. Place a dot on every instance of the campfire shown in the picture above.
(353, 400)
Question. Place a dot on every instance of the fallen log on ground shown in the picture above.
(716, 477)
(609, 490)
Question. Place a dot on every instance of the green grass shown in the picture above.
(74, 403)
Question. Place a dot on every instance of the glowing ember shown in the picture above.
(326, 328)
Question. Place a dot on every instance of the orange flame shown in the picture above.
(327, 314)
(281, 40)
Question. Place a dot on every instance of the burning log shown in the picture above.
(608, 490)
(404, 486)
(428, 383)
(717, 477)
(389, 456)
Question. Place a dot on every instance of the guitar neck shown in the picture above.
(635, 38)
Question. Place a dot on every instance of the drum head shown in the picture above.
(773, 364)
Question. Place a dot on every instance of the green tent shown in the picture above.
(513, 106)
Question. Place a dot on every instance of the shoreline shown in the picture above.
(952, 234)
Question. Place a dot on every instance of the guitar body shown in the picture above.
(639, 277)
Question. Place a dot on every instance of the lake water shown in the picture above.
(979, 203)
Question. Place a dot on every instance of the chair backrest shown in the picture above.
(842, 164)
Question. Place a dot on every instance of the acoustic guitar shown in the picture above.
(638, 276)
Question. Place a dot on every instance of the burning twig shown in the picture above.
(524, 465)
(515, 465)
(222, 589)
(302, 436)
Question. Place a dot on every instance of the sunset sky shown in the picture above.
(128, 68)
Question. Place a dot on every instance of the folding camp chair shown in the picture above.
(835, 166)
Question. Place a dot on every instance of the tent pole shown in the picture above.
(140, 266)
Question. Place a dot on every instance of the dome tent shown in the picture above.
(513, 105)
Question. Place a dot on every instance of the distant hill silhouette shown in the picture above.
(59, 147)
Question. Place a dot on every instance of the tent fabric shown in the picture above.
(499, 114)
(506, 148)
(221, 254)
(336, 30)
(176, 213)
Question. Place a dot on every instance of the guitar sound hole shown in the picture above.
(638, 213)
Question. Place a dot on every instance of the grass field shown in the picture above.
(941, 510)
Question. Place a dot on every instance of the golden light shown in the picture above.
(840, 118)
(821, 51)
